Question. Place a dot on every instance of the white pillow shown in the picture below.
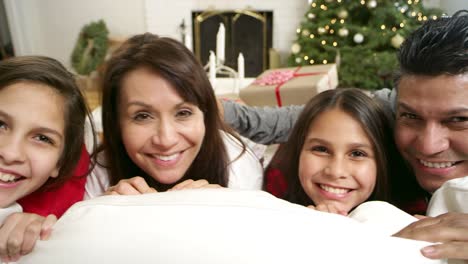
(214, 226)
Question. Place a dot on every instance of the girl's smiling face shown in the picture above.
(337, 164)
(31, 138)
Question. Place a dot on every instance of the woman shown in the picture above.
(161, 126)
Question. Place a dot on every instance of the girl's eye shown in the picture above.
(45, 139)
(184, 113)
(3, 125)
(320, 149)
(358, 153)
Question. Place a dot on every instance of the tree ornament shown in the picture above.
(295, 48)
(343, 14)
(311, 15)
(358, 38)
(397, 40)
(372, 4)
(305, 33)
(343, 32)
(321, 30)
(298, 60)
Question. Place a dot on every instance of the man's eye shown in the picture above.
(409, 116)
(458, 119)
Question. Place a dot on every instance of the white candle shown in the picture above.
(212, 70)
(240, 66)
(220, 42)
(188, 42)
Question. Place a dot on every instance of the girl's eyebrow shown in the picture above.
(40, 128)
(51, 131)
(326, 142)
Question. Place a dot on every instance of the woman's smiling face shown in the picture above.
(161, 132)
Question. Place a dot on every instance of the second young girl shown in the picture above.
(339, 153)
(42, 118)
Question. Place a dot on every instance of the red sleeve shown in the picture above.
(275, 182)
(58, 200)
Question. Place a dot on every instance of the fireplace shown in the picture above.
(247, 31)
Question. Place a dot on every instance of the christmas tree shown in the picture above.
(361, 35)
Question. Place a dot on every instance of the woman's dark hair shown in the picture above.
(172, 61)
(373, 119)
(50, 72)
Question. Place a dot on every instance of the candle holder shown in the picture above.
(224, 71)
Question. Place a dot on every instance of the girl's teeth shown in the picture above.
(6, 177)
(437, 165)
(167, 158)
(333, 190)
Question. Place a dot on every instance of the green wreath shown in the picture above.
(90, 48)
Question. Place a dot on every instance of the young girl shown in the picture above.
(338, 154)
(42, 117)
(161, 125)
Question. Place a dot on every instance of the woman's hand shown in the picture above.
(191, 184)
(329, 208)
(132, 186)
(19, 234)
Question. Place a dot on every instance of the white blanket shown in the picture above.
(214, 226)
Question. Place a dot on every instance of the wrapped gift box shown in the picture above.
(290, 86)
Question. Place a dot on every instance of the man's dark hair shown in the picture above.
(438, 47)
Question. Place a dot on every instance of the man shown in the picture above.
(431, 123)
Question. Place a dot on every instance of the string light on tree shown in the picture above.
(311, 16)
(305, 32)
(321, 30)
(397, 40)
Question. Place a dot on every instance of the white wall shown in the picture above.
(51, 27)
(451, 6)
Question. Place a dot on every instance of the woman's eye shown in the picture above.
(45, 139)
(141, 116)
(184, 113)
(358, 153)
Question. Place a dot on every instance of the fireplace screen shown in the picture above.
(247, 31)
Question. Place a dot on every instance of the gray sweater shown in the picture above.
(270, 125)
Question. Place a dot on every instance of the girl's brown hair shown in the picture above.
(373, 119)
